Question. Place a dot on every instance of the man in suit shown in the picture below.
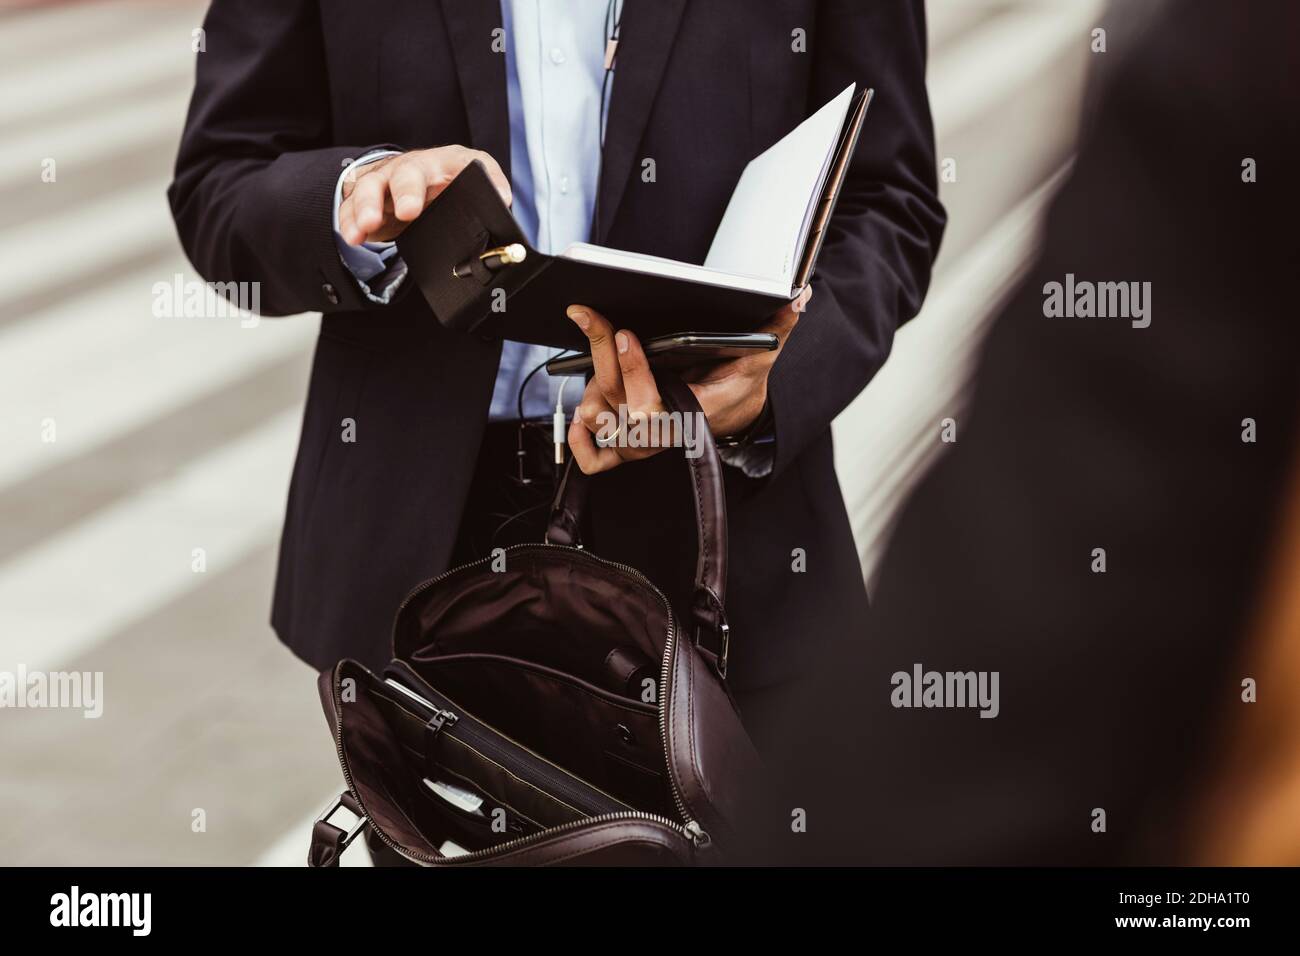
(320, 128)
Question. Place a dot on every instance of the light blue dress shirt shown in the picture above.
(555, 66)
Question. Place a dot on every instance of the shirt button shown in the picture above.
(331, 293)
(557, 55)
(564, 185)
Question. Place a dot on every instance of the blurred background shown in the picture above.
(131, 440)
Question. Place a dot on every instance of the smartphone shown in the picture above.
(679, 351)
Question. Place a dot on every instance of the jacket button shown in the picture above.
(331, 293)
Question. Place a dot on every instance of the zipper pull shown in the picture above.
(699, 838)
(441, 719)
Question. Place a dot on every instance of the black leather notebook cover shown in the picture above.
(526, 301)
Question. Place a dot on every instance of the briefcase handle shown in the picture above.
(707, 604)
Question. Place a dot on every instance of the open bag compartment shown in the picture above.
(504, 644)
(429, 771)
(557, 607)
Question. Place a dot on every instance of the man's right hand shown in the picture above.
(390, 193)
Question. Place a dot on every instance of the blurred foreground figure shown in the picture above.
(1107, 535)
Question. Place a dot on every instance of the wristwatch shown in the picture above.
(759, 428)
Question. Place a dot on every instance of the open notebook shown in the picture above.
(762, 253)
(760, 242)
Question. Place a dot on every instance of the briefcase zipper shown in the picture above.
(472, 732)
(690, 830)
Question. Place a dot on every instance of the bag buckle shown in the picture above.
(724, 647)
(341, 803)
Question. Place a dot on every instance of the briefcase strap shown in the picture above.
(707, 605)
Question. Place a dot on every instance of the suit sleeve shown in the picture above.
(874, 268)
(254, 183)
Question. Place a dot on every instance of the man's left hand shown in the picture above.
(731, 393)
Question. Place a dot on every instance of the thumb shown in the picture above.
(784, 321)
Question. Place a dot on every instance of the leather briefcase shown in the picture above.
(546, 706)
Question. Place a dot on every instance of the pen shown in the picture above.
(493, 259)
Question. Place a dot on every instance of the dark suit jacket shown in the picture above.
(288, 91)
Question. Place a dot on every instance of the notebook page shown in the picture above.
(669, 268)
(765, 220)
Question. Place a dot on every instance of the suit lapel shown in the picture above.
(646, 39)
(482, 72)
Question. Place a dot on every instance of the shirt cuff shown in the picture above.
(376, 266)
(756, 455)
(754, 460)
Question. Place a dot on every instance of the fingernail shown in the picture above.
(621, 339)
(579, 315)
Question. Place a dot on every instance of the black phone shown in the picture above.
(681, 350)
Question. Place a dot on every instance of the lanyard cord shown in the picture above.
(613, 20)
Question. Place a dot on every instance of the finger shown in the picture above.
(595, 412)
(441, 166)
(495, 174)
(408, 187)
(802, 299)
(582, 445)
(368, 201)
(604, 356)
(444, 164)
(783, 322)
(639, 387)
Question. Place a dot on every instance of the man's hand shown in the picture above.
(390, 193)
(732, 393)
